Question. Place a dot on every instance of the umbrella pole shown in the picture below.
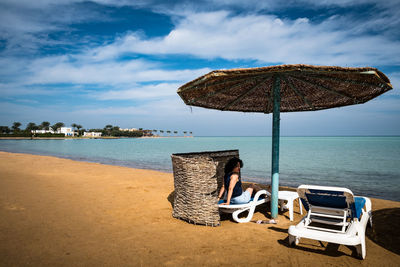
(275, 147)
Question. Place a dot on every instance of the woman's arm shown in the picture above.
(232, 183)
(221, 192)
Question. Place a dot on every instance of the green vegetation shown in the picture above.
(110, 130)
(4, 130)
(16, 134)
(50, 135)
(45, 126)
(15, 127)
(53, 130)
(57, 126)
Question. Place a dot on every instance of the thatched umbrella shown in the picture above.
(284, 88)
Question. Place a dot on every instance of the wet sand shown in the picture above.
(61, 212)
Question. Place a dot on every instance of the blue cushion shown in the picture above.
(327, 199)
(356, 208)
(223, 201)
(335, 200)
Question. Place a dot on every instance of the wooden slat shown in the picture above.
(355, 100)
(284, 77)
(245, 93)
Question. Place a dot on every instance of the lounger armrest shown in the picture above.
(260, 193)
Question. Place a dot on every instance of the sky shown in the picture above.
(121, 62)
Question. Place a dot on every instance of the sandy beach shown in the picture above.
(59, 212)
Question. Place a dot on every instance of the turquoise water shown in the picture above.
(367, 165)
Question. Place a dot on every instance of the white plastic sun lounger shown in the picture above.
(260, 197)
(334, 215)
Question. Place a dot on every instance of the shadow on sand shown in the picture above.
(328, 249)
(171, 198)
(385, 232)
(386, 229)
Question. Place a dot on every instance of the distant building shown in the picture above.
(128, 129)
(66, 131)
(92, 134)
(42, 131)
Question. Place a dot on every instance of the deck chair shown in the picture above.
(334, 215)
(259, 198)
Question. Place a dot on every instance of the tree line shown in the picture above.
(108, 130)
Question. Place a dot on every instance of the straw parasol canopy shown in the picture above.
(284, 88)
(302, 88)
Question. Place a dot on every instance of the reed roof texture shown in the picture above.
(302, 88)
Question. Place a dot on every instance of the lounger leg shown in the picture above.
(235, 215)
(361, 234)
(292, 240)
(361, 250)
(290, 206)
(301, 207)
(368, 208)
(281, 204)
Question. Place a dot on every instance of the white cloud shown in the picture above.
(139, 92)
(263, 38)
(82, 69)
(111, 111)
(17, 90)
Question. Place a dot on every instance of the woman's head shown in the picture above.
(232, 163)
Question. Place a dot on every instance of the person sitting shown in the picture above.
(233, 184)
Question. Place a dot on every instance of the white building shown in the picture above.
(66, 131)
(128, 130)
(42, 131)
(92, 134)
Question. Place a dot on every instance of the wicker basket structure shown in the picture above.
(198, 177)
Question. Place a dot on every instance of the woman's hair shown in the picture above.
(231, 164)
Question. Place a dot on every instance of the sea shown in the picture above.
(369, 166)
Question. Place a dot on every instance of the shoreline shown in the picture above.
(78, 138)
(56, 211)
(134, 166)
(245, 183)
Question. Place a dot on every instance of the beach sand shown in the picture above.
(61, 212)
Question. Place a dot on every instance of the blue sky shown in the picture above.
(121, 62)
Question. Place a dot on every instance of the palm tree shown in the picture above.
(176, 133)
(74, 125)
(191, 133)
(161, 131)
(31, 127)
(16, 126)
(45, 125)
(4, 129)
(184, 133)
(108, 129)
(57, 126)
(155, 131)
(169, 132)
(78, 127)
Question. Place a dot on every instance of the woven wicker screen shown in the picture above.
(197, 179)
